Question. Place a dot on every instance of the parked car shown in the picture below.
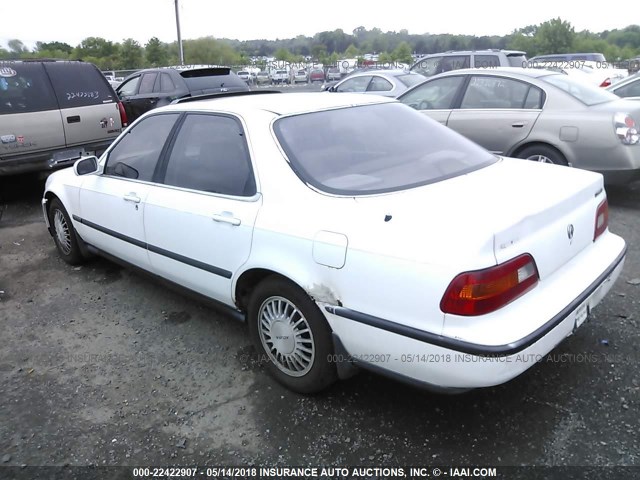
(301, 76)
(434, 64)
(280, 76)
(628, 88)
(537, 115)
(389, 83)
(598, 74)
(353, 231)
(54, 112)
(316, 75)
(263, 78)
(155, 87)
(245, 76)
(564, 58)
(333, 74)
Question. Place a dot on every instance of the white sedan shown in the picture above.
(348, 231)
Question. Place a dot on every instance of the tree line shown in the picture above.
(553, 36)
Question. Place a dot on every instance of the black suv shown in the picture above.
(155, 87)
(53, 112)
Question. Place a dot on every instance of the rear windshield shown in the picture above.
(374, 149)
(79, 84)
(580, 90)
(205, 79)
(24, 87)
(411, 80)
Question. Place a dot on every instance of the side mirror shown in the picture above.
(86, 165)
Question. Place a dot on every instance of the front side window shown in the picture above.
(437, 94)
(374, 149)
(356, 84)
(136, 155)
(24, 87)
(130, 87)
(494, 92)
(211, 155)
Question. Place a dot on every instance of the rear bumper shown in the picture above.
(623, 165)
(44, 161)
(447, 362)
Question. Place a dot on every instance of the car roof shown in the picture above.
(526, 72)
(466, 52)
(380, 71)
(281, 104)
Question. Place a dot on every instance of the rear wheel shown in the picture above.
(287, 326)
(64, 234)
(543, 154)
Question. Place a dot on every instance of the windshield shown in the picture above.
(374, 149)
(580, 90)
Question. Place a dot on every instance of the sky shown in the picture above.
(71, 21)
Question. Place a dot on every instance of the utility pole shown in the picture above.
(179, 37)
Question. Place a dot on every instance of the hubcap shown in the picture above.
(63, 235)
(540, 158)
(286, 336)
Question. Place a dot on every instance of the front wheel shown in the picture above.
(64, 234)
(543, 154)
(287, 326)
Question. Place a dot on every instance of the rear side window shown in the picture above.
(210, 155)
(517, 60)
(147, 82)
(379, 84)
(166, 83)
(486, 61)
(79, 84)
(24, 87)
(494, 92)
(136, 155)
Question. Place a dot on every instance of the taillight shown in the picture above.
(626, 129)
(484, 291)
(123, 115)
(606, 83)
(602, 219)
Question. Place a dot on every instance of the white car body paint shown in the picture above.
(388, 256)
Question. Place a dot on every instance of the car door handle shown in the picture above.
(226, 218)
(132, 197)
(73, 119)
(517, 124)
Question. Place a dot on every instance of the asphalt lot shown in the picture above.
(102, 366)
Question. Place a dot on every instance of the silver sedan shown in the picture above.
(627, 88)
(388, 83)
(537, 115)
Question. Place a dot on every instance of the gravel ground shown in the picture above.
(102, 366)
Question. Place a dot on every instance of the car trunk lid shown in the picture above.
(489, 216)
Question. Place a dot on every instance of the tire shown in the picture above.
(543, 154)
(300, 358)
(64, 234)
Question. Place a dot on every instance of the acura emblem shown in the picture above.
(570, 232)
